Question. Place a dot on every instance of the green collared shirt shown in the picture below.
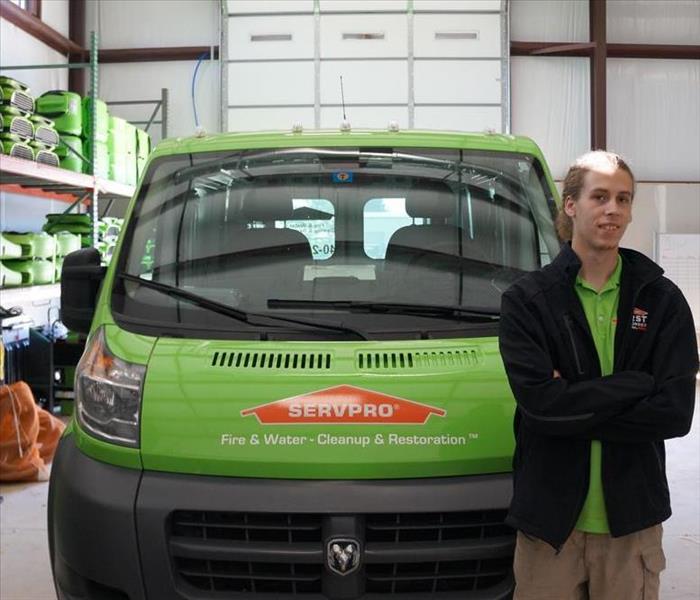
(601, 313)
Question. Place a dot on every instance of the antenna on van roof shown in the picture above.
(345, 124)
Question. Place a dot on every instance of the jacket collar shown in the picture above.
(635, 266)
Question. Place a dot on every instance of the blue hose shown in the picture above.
(194, 80)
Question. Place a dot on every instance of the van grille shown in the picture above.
(284, 554)
(307, 361)
(427, 359)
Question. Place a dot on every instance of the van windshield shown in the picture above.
(313, 231)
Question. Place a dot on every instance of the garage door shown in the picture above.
(426, 64)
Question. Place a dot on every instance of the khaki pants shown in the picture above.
(590, 567)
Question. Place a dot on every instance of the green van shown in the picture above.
(292, 387)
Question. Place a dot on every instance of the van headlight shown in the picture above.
(108, 393)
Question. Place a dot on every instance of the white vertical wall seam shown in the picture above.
(505, 66)
(410, 63)
(317, 64)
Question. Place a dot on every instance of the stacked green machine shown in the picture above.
(99, 137)
(22, 133)
(122, 151)
(65, 109)
(16, 129)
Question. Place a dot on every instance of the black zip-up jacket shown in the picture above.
(648, 398)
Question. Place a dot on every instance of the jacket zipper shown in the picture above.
(567, 322)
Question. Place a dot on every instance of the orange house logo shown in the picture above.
(343, 405)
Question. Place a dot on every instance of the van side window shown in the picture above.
(382, 217)
(315, 218)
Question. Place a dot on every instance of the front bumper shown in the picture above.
(121, 534)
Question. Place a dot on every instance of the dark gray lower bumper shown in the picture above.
(111, 537)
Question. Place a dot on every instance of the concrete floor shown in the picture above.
(24, 558)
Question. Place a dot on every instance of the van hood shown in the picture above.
(327, 411)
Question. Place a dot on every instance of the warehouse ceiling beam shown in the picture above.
(585, 49)
(598, 33)
(37, 28)
(76, 32)
(128, 55)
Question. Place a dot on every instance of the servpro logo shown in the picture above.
(344, 405)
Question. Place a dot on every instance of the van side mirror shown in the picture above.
(81, 277)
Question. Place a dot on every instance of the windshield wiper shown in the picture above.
(230, 311)
(394, 308)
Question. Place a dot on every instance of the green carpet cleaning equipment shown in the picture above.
(64, 108)
(13, 121)
(45, 132)
(16, 94)
(70, 160)
(12, 145)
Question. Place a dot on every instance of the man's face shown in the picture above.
(603, 210)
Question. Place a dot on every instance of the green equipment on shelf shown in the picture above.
(8, 277)
(8, 248)
(65, 108)
(70, 160)
(15, 123)
(66, 243)
(58, 265)
(109, 228)
(44, 132)
(101, 121)
(33, 272)
(101, 159)
(117, 167)
(14, 93)
(34, 245)
(143, 149)
(73, 223)
(47, 157)
(12, 145)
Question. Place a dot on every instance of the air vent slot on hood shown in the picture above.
(419, 359)
(295, 361)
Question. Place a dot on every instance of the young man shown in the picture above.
(601, 355)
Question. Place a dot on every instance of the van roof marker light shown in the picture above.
(345, 125)
(297, 127)
(393, 126)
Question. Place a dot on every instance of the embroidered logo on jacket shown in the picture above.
(639, 319)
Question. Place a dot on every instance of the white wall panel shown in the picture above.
(654, 116)
(361, 5)
(363, 117)
(551, 104)
(20, 48)
(458, 118)
(153, 23)
(653, 21)
(246, 37)
(468, 81)
(549, 20)
(455, 5)
(380, 82)
(256, 119)
(438, 36)
(143, 81)
(278, 83)
(55, 14)
(269, 6)
(334, 28)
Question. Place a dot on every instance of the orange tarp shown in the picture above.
(28, 435)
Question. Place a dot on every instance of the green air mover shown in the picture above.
(34, 245)
(13, 146)
(16, 123)
(16, 94)
(44, 132)
(101, 159)
(74, 223)
(64, 108)
(47, 157)
(23, 268)
(143, 143)
(101, 121)
(66, 243)
(8, 248)
(70, 160)
(8, 277)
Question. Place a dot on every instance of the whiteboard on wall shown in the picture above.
(679, 256)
